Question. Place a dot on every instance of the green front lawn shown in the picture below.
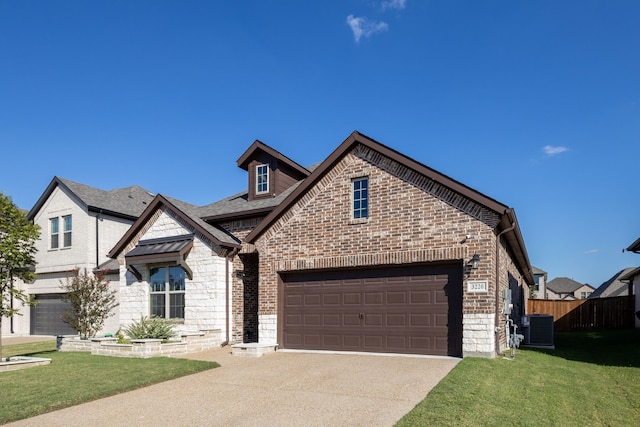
(592, 378)
(74, 378)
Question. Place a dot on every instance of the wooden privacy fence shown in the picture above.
(614, 312)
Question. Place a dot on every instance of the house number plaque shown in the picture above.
(478, 286)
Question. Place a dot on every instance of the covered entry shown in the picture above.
(413, 309)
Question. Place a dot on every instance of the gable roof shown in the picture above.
(257, 146)
(564, 285)
(635, 246)
(536, 270)
(615, 286)
(128, 202)
(190, 214)
(508, 219)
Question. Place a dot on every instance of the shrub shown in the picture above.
(153, 327)
(91, 302)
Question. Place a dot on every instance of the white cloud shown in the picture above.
(394, 4)
(550, 150)
(362, 27)
(591, 251)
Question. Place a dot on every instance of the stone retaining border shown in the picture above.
(143, 348)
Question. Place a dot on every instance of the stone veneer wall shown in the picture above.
(412, 219)
(205, 294)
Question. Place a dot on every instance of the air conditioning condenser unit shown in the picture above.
(538, 330)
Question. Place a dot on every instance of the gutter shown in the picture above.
(497, 294)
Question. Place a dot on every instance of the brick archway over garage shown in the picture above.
(415, 309)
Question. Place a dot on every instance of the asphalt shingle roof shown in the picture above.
(613, 287)
(129, 200)
(195, 213)
(239, 203)
(563, 285)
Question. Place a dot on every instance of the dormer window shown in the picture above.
(262, 179)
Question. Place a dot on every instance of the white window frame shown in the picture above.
(67, 231)
(167, 292)
(54, 236)
(357, 212)
(265, 167)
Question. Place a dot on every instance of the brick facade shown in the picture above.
(412, 219)
(244, 306)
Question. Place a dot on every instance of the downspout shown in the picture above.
(497, 317)
(226, 299)
(97, 240)
(11, 318)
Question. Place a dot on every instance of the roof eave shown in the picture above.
(244, 159)
(634, 247)
(346, 146)
(55, 182)
(155, 204)
(238, 215)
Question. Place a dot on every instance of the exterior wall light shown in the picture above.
(475, 260)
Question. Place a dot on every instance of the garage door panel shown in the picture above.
(407, 309)
(373, 320)
(331, 299)
(352, 298)
(420, 297)
(293, 320)
(374, 298)
(294, 300)
(397, 320)
(293, 340)
(441, 320)
(351, 319)
(329, 320)
(311, 300)
(420, 320)
(421, 344)
(46, 316)
(397, 297)
(312, 319)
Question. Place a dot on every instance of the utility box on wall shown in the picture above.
(538, 330)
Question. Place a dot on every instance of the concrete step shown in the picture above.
(253, 349)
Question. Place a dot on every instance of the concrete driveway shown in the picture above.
(282, 388)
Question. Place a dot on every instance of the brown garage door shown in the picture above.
(405, 309)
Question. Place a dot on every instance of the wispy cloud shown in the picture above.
(394, 4)
(363, 27)
(591, 251)
(551, 150)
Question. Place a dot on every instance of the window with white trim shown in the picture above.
(262, 179)
(361, 198)
(167, 291)
(54, 236)
(66, 224)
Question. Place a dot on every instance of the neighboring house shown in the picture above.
(618, 285)
(563, 288)
(633, 277)
(368, 251)
(79, 224)
(540, 286)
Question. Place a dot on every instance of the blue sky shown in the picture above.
(534, 103)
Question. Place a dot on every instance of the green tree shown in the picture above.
(18, 238)
(91, 302)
